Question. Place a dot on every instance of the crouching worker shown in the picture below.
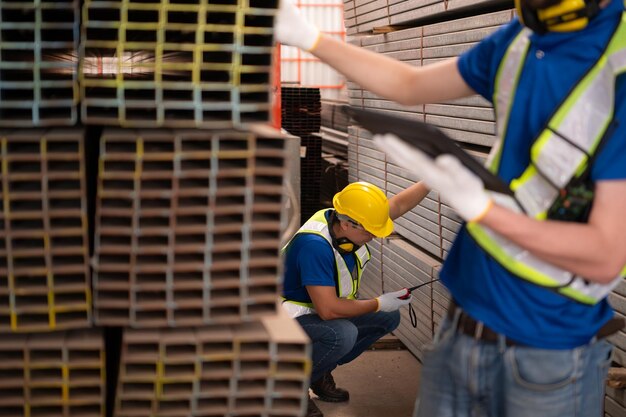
(324, 261)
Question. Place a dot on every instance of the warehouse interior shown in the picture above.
(156, 156)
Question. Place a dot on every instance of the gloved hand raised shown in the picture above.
(390, 301)
(292, 28)
(456, 184)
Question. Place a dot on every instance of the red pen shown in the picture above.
(410, 290)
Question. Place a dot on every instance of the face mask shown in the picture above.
(566, 16)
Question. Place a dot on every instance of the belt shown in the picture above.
(472, 327)
(476, 329)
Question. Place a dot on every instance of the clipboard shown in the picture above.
(427, 138)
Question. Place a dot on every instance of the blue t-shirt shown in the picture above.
(309, 260)
(556, 61)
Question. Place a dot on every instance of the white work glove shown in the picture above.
(456, 184)
(390, 301)
(292, 28)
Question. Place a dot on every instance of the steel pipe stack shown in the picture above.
(254, 368)
(203, 64)
(188, 227)
(173, 230)
(39, 62)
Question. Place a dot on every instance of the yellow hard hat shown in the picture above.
(366, 204)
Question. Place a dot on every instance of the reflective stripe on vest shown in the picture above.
(347, 287)
(583, 119)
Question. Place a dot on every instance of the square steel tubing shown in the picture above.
(204, 64)
(44, 246)
(188, 227)
(39, 63)
(257, 368)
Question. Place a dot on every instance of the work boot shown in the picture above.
(326, 390)
(312, 410)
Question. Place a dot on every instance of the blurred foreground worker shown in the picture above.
(324, 262)
(529, 275)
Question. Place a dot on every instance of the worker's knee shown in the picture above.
(389, 320)
(340, 337)
(346, 336)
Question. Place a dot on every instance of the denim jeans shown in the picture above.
(463, 377)
(339, 341)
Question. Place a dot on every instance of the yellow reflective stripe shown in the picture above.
(611, 64)
(564, 111)
(578, 296)
(310, 305)
(504, 259)
(318, 225)
(619, 39)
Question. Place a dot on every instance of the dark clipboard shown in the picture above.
(428, 139)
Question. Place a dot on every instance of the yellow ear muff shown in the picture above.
(345, 245)
(567, 16)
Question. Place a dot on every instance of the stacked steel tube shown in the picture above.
(176, 64)
(140, 269)
(53, 363)
(254, 368)
(188, 227)
(44, 270)
(52, 374)
(38, 63)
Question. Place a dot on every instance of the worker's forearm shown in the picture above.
(373, 71)
(390, 78)
(576, 247)
(406, 200)
(344, 308)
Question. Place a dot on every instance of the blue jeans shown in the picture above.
(463, 377)
(339, 341)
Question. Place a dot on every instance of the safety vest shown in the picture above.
(346, 285)
(582, 119)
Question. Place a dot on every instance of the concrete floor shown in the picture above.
(382, 383)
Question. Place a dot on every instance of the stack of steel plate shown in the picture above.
(404, 266)
(372, 279)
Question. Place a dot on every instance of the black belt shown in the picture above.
(476, 329)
